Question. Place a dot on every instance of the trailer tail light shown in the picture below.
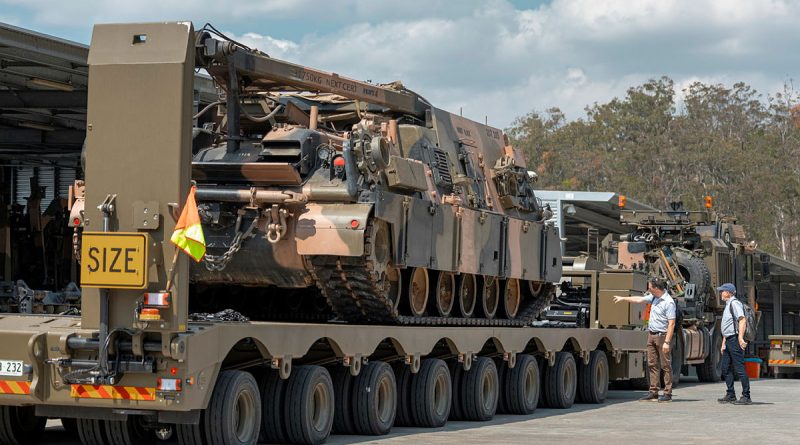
(156, 299)
(168, 384)
(338, 161)
(150, 314)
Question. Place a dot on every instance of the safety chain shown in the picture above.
(76, 245)
(219, 262)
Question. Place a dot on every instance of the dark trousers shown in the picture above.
(658, 361)
(733, 361)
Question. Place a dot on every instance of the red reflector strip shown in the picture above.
(14, 387)
(782, 362)
(112, 392)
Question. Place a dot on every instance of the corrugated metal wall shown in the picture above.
(55, 180)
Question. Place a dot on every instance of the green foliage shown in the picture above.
(728, 142)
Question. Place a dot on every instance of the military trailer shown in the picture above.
(784, 360)
(371, 261)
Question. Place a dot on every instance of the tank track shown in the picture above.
(354, 291)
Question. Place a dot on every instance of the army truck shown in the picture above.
(321, 199)
(695, 251)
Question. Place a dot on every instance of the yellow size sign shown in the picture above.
(115, 260)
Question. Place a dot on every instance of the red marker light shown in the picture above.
(354, 224)
(173, 371)
(338, 161)
(76, 222)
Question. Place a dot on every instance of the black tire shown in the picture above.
(234, 392)
(342, 410)
(710, 371)
(520, 386)
(593, 379)
(677, 359)
(402, 375)
(70, 426)
(309, 409)
(93, 432)
(480, 390)
(129, 432)
(431, 394)
(19, 425)
(560, 381)
(190, 434)
(457, 376)
(374, 399)
(273, 399)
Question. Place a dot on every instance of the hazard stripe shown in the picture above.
(782, 362)
(14, 387)
(112, 392)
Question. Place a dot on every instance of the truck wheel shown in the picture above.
(20, 426)
(431, 391)
(560, 381)
(677, 360)
(309, 408)
(190, 434)
(93, 432)
(233, 415)
(711, 369)
(457, 381)
(70, 426)
(129, 432)
(273, 398)
(374, 399)
(480, 390)
(520, 390)
(593, 379)
(342, 412)
(402, 375)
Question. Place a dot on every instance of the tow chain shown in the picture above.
(76, 245)
(219, 262)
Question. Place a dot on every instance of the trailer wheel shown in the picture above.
(711, 369)
(374, 399)
(191, 434)
(402, 376)
(309, 409)
(457, 376)
(233, 415)
(431, 394)
(93, 432)
(520, 390)
(70, 425)
(593, 379)
(480, 390)
(560, 381)
(129, 432)
(273, 397)
(342, 411)
(20, 426)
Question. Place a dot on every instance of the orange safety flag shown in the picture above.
(188, 233)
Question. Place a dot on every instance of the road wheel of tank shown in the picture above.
(467, 295)
(444, 293)
(520, 390)
(273, 399)
(379, 247)
(418, 291)
(480, 390)
(403, 376)
(512, 298)
(431, 394)
(233, 415)
(129, 432)
(20, 426)
(309, 407)
(93, 432)
(374, 399)
(457, 376)
(560, 381)
(490, 296)
(593, 379)
(342, 411)
(711, 369)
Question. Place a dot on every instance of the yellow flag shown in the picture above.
(188, 233)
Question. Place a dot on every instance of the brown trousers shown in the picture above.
(658, 361)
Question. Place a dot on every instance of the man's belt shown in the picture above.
(657, 333)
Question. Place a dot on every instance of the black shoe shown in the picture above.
(744, 400)
(729, 398)
(650, 397)
(665, 398)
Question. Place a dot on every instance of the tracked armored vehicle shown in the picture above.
(390, 209)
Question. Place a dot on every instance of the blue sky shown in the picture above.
(495, 58)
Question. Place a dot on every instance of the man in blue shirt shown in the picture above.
(732, 328)
(662, 327)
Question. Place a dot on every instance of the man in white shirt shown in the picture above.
(732, 328)
(661, 327)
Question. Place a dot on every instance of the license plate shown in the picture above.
(116, 260)
(11, 368)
